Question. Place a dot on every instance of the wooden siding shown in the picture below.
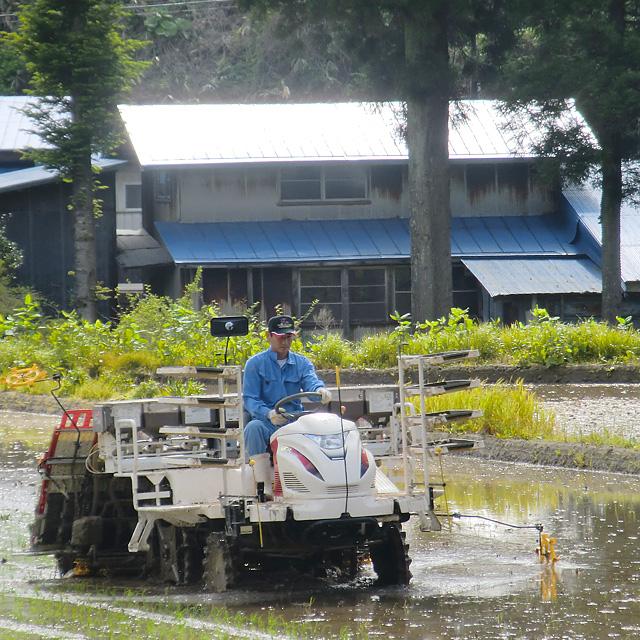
(43, 228)
(252, 193)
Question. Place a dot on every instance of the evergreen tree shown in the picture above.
(587, 51)
(403, 48)
(80, 66)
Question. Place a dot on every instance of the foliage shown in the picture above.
(11, 258)
(10, 253)
(330, 350)
(509, 411)
(591, 50)
(79, 65)
(119, 359)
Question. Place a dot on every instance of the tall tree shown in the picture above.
(80, 66)
(587, 51)
(413, 50)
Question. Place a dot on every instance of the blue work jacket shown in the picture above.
(265, 382)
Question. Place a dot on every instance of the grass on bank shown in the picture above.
(118, 358)
(513, 411)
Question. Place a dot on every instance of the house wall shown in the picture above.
(41, 225)
(223, 194)
(128, 216)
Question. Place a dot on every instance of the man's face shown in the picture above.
(281, 344)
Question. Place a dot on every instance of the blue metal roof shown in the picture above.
(369, 239)
(535, 275)
(584, 203)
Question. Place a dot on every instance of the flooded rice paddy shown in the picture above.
(589, 408)
(475, 579)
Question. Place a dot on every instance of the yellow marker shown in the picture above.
(81, 569)
(24, 377)
(549, 583)
(337, 376)
(547, 550)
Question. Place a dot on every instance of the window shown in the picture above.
(466, 291)
(301, 183)
(314, 183)
(402, 286)
(323, 285)
(343, 183)
(133, 196)
(367, 295)
(162, 186)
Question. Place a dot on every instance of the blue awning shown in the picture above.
(309, 241)
(526, 276)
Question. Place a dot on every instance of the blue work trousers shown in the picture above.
(256, 437)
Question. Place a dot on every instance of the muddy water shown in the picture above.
(588, 408)
(475, 579)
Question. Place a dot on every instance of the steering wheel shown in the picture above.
(294, 415)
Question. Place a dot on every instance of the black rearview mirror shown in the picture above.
(228, 326)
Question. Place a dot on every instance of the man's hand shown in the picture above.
(277, 419)
(325, 395)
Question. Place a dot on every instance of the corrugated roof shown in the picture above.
(525, 275)
(585, 202)
(174, 135)
(370, 239)
(139, 249)
(33, 176)
(15, 126)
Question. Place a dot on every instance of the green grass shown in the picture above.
(509, 411)
(119, 618)
(102, 360)
(513, 411)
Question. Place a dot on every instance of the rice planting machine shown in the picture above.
(160, 487)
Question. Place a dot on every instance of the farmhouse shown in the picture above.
(284, 204)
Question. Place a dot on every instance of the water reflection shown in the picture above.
(472, 580)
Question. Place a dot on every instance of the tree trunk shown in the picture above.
(611, 145)
(427, 56)
(610, 220)
(84, 240)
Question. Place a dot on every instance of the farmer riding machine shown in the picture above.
(161, 487)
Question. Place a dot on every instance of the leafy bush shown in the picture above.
(115, 358)
(330, 350)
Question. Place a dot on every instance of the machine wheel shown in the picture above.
(179, 554)
(65, 563)
(390, 557)
(218, 570)
(342, 566)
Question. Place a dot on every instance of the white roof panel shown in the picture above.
(15, 126)
(171, 135)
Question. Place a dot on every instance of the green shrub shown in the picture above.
(132, 362)
(330, 350)
(378, 351)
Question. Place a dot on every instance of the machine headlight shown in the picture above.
(330, 442)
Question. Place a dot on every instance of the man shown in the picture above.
(270, 376)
